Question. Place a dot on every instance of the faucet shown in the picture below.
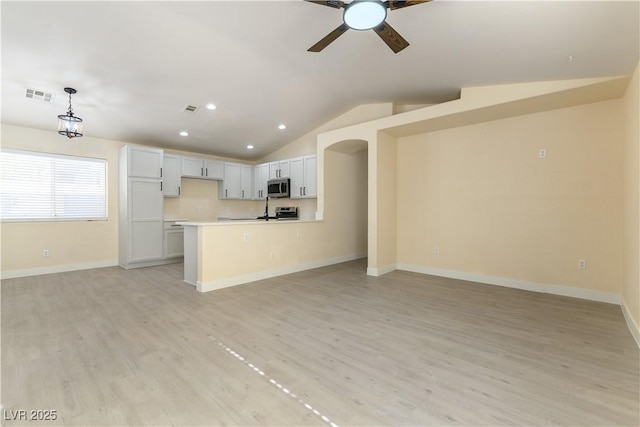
(266, 211)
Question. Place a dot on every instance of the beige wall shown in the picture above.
(631, 282)
(483, 197)
(276, 247)
(74, 243)
(199, 201)
(87, 244)
(382, 229)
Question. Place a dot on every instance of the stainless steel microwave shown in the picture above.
(278, 188)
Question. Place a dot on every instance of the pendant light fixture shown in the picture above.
(68, 124)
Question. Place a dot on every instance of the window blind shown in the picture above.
(50, 187)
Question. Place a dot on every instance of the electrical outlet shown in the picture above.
(436, 249)
(542, 153)
(45, 252)
(246, 237)
(582, 264)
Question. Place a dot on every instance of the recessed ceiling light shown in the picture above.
(282, 127)
(249, 147)
(211, 106)
(184, 133)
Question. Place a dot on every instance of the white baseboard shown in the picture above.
(382, 270)
(261, 275)
(567, 291)
(12, 274)
(633, 327)
(133, 265)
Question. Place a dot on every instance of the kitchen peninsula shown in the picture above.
(227, 253)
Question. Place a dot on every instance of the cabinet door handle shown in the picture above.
(243, 194)
(178, 190)
(160, 172)
(225, 193)
(160, 185)
(206, 172)
(304, 191)
(201, 171)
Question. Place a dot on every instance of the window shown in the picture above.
(49, 187)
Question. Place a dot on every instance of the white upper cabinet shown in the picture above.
(171, 173)
(246, 182)
(304, 171)
(260, 178)
(144, 162)
(213, 169)
(231, 186)
(279, 169)
(194, 167)
(237, 183)
(310, 188)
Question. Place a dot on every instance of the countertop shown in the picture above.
(224, 222)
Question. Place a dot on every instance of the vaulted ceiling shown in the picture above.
(137, 65)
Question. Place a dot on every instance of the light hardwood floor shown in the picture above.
(329, 346)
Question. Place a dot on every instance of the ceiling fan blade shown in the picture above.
(329, 38)
(337, 4)
(398, 4)
(391, 37)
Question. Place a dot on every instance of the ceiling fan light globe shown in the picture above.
(365, 14)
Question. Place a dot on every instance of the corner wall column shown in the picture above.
(382, 204)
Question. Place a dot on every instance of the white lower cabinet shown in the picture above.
(145, 219)
(173, 240)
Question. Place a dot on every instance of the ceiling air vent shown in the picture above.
(38, 95)
(191, 109)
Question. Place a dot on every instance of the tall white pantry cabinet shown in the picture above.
(141, 222)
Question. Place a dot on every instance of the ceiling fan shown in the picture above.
(366, 15)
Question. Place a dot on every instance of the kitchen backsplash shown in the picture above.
(199, 202)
